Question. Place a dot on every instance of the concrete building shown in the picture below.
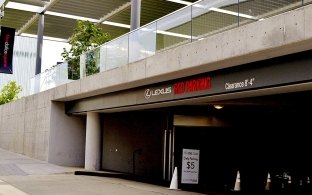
(24, 58)
(24, 64)
(150, 116)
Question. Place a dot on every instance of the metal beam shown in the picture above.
(28, 24)
(109, 15)
(116, 11)
(49, 5)
(33, 19)
(2, 5)
(3, 2)
(39, 43)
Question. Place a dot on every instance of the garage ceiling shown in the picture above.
(117, 11)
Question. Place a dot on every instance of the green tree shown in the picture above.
(9, 92)
(86, 36)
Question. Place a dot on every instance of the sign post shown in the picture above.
(190, 166)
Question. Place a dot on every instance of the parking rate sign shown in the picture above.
(190, 166)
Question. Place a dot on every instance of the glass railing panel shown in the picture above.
(47, 79)
(142, 42)
(174, 29)
(82, 65)
(103, 60)
(74, 69)
(211, 17)
(255, 10)
(92, 62)
(117, 52)
(53, 77)
(62, 74)
(34, 85)
(44, 81)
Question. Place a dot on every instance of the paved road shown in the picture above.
(20, 175)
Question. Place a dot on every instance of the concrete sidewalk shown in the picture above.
(12, 164)
(20, 175)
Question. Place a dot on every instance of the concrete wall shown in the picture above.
(24, 125)
(127, 132)
(67, 137)
(39, 128)
(12, 126)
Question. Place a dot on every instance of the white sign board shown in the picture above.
(190, 166)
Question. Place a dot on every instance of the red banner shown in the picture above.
(6, 49)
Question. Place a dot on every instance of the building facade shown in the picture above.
(24, 60)
(150, 116)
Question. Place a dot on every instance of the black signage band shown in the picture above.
(6, 49)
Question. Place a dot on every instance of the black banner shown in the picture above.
(6, 49)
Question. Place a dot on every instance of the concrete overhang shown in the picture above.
(280, 35)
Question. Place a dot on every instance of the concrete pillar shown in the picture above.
(135, 14)
(93, 142)
(39, 43)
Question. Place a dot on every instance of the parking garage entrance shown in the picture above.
(209, 166)
(201, 155)
(254, 140)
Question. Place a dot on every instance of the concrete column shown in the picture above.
(39, 43)
(135, 14)
(93, 142)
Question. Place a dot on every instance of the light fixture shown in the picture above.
(181, 2)
(37, 9)
(175, 34)
(218, 106)
(69, 16)
(116, 24)
(44, 37)
(24, 7)
(215, 9)
(232, 13)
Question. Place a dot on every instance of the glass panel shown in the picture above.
(34, 85)
(103, 51)
(82, 65)
(92, 61)
(117, 53)
(43, 81)
(74, 69)
(61, 74)
(210, 17)
(174, 29)
(53, 77)
(142, 43)
(254, 10)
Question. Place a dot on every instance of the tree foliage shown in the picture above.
(9, 92)
(86, 36)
